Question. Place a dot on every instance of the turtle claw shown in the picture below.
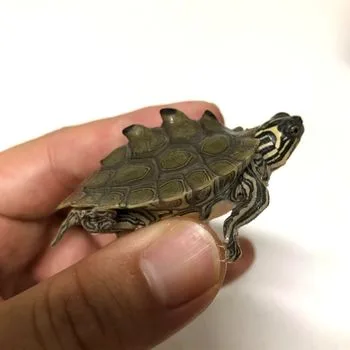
(233, 251)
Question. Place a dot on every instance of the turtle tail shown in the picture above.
(72, 219)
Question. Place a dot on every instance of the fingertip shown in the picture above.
(187, 270)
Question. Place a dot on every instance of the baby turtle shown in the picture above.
(184, 167)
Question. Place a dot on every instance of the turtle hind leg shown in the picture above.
(72, 219)
(92, 220)
(105, 221)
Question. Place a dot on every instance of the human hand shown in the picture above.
(95, 292)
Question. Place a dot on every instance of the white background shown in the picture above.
(67, 62)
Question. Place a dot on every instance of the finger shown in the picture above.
(78, 244)
(129, 295)
(37, 175)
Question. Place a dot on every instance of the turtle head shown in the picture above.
(279, 137)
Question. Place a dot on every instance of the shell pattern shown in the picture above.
(181, 164)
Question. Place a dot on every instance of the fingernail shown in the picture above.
(182, 264)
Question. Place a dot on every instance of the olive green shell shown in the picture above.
(179, 164)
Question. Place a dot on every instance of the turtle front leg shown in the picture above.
(250, 197)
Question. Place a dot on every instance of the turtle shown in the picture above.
(184, 167)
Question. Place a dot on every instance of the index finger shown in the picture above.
(37, 175)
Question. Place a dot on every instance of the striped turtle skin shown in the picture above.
(184, 167)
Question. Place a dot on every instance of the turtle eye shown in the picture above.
(294, 130)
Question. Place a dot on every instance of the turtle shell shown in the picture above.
(179, 164)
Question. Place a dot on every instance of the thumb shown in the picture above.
(132, 294)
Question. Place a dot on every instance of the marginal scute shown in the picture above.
(243, 148)
(89, 200)
(249, 142)
(198, 179)
(143, 141)
(72, 199)
(175, 159)
(179, 126)
(215, 144)
(203, 194)
(141, 196)
(170, 204)
(171, 189)
(223, 167)
(112, 199)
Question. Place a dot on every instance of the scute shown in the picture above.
(114, 158)
(141, 196)
(198, 179)
(177, 164)
(100, 178)
(175, 159)
(202, 194)
(179, 127)
(89, 199)
(210, 123)
(111, 199)
(129, 173)
(243, 149)
(224, 167)
(171, 190)
(145, 141)
(96, 197)
(215, 144)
